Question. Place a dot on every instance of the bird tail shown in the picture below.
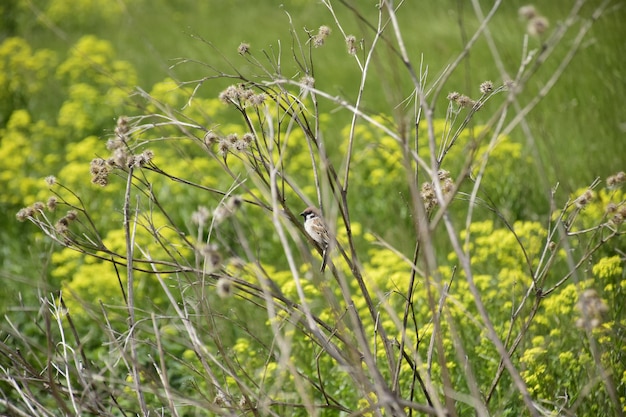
(324, 259)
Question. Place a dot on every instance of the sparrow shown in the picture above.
(316, 228)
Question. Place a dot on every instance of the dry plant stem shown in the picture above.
(131, 293)
(364, 73)
(162, 368)
(477, 401)
(493, 336)
(51, 353)
(311, 324)
(424, 239)
(198, 347)
(57, 314)
(584, 29)
(452, 67)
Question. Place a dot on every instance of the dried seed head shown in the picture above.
(24, 214)
(240, 145)
(320, 38)
(211, 138)
(537, 26)
(256, 99)
(232, 94)
(243, 48)
(614, 181)
(212, 261)
(248, 138)
(99, 171)
(486, 87)
(324, 31)
(584, 199)
(453, 96)
(227, 209)
(307, 81)
(527, 12)
(224, 287)
(50, 180)
(121, 158)
(234, 202)
(428, 195)
(71, 215)
(465, 101)
(200, 216)
(39, 206)
(122, 128)
(142, 159)
(223, 147)
(113, 144)
(351, 44)
(617, 219)
(52, 203)
(232, 138)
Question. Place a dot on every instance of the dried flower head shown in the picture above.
(51, 180)
(224, 287)
(527, 12)
(122, 128)
(248, 138)
(232, 94)
(113, 144)
(453, 96)
(322, 33)
(223, 147)
(142, 159)
(611, 208)
(234, 202)
(200, 216)
(447, 184)
(307, 81)
(24, 214)
(52, 203)
(232, 138)
(99, 172)
(243, 48)
(211, 138)
(71, 215)
(227, 209)
(256, 99)
(212, 258)
(428, 189)
(237, 263)
(61, 226)
(509, 85)
(486, 87)
(537, 26)
(617, 219)
(584, 199)
(614, 181)
(39, 206)
(351, 44)
(465, 101)
(428, 195)
(121, 158)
